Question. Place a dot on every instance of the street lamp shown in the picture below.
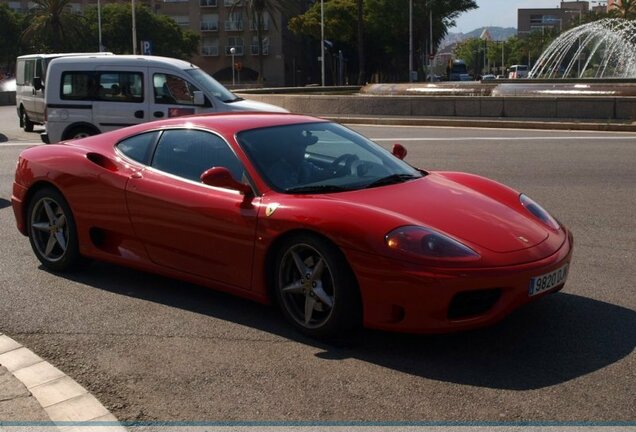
(322, 41)
(410, 40)
(233, 51)
(134, 29)
(430, 69)
(99, 25)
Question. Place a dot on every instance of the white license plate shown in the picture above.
(548, 281)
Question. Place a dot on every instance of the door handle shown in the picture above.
(158, 114)
(136, 175)
(139, 114)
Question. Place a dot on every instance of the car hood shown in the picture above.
(252, 105)
(454, 209)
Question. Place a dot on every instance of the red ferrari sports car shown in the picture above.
(298, 210)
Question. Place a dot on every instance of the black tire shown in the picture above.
(328, 294)
(79, 132)
(52, 231)
(25, 122)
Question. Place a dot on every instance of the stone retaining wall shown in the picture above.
(584, 108)
(7, 98)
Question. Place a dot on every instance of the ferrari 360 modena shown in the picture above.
(294, 210)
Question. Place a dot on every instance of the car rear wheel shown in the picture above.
(52, 230)
(315, 288)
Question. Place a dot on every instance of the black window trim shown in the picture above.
(95, 73)
(153, 148)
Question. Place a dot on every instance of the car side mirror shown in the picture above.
(399, 151)
(37, 83)
(221, 177)
(199, 98)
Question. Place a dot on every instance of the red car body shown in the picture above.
(128, 214)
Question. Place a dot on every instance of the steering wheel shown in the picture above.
(342, 164)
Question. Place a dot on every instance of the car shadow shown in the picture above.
(3, 138)
(556, 339)
(4, 203)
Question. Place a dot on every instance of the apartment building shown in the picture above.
(223, 25)
(559, 19)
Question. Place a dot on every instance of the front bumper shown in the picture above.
(45, 138)
(398, 297)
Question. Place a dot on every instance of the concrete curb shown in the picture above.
(64, 401)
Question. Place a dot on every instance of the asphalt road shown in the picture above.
(152, 348)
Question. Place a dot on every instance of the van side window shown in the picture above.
(170, 89)
(29, 70)
(103, 86)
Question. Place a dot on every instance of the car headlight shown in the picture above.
(538, 212)
(425, 242)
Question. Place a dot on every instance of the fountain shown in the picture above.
(600, 49)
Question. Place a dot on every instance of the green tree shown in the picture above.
(53, 27)
(386, 29)
(166, 36)
(10, 24)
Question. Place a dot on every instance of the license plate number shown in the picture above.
(547, 281)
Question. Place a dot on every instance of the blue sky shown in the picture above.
(501, 13)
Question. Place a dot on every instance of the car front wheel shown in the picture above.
(315, 287)
(52, 230)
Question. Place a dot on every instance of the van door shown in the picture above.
(121, 97)
(24, 88)
(173, 95)
(37, 109)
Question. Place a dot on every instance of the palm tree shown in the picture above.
(256, 10)
(53, 25)
(625, 9)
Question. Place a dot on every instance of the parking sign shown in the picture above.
(146, 47)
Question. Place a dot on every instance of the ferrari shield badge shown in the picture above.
(271, 208)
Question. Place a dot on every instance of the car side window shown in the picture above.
(189, 153)
(139, 147)
(171, 89)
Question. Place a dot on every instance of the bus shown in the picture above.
(518, 72)
(457, 70)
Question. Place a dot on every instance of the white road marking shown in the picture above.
(557, 138)
(20, 144)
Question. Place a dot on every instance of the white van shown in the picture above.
(30, 80)
(90, 95)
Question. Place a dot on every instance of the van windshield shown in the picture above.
(212, 86)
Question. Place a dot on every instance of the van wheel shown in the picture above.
(25, 122)
(79, 132)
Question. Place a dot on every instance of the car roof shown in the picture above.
(228, 124)
(125, 60)
(56, 55)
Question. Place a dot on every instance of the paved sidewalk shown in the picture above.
(35, 395)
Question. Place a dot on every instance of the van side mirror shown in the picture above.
(221, 177)
(199, 98)
(37, 83)
(399, 151)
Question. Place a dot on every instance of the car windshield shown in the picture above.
(212, 86)
(321, 157)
